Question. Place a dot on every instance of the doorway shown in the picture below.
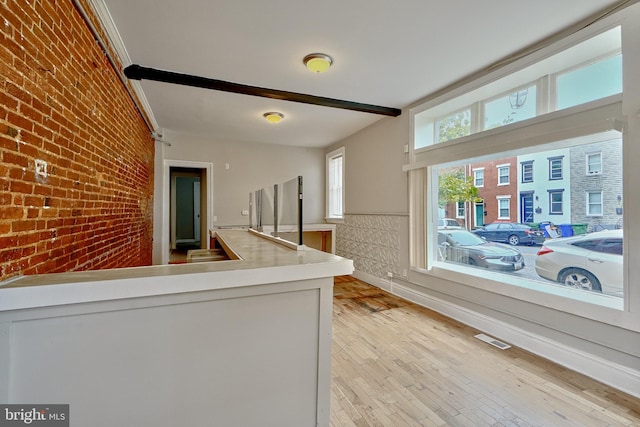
(526, 206)
(185, 208)
(479, 214)
(187, 213)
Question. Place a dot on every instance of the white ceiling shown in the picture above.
(388, 53)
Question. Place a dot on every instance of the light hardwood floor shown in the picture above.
(399, 364)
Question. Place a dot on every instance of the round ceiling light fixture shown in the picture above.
(318, 62)
(273, 116)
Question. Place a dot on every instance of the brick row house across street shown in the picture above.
(580, 185)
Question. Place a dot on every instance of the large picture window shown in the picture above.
(551, 136)
(512, 249)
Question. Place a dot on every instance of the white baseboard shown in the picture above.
(605, 371)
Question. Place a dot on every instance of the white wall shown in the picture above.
(251, 167)
(373, 168)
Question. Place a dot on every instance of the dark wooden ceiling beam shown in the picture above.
(137, 72)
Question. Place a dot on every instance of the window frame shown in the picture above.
(587, 164)
(475, 177)
(508, 169)
(501, 199)
(522, 172)
(589, 204)
(464, 209)
(552, 160)
(551, 193)
(332, 156)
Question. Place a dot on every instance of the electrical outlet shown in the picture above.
(389, 274)
(245, 213)
(41, 168)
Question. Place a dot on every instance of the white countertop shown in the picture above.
(274, 262)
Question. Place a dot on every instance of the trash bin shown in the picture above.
(566, 230)
(543, 228)
(579, 228)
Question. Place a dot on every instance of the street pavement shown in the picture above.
(529, 271)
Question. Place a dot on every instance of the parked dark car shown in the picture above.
(464, 247)
(511, 233)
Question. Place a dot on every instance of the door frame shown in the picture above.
(521, 200)
(177, 173)
(166, 199)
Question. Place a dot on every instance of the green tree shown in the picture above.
(454, 186)
(454, 126)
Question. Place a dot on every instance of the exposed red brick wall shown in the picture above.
(62, 103)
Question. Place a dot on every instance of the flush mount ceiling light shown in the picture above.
(273, 116)
(318, 62)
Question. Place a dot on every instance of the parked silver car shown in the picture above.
(588, 261)
(464, 247)
(448, 223)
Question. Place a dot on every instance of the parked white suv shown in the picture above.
(448, 224)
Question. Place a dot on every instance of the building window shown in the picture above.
(555, 202)
(504, 209)
(527, 171)
(478, 177)
(594, 203)
(555, 168)
(335, 184)
(460, 209)
(594, 164)
(503, 175)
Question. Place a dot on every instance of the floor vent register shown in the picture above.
(494, 342)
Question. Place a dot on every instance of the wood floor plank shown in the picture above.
(398, 364)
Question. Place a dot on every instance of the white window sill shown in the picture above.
(591, 305)
(334, 220)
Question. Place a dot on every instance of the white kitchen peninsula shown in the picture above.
(243, 342)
